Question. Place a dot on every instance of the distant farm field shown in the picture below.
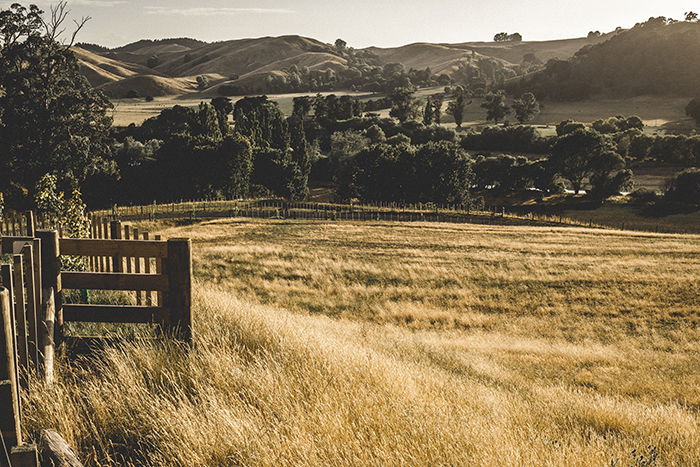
(658, 113)
(321, 343)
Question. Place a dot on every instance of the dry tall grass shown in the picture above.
(407, 345)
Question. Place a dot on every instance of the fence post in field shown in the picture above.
(33, 300)
(115, 233)
(179, 296)
(31, 223)
(9, 393)
(51, 275)
(46, 332)
(20, 317)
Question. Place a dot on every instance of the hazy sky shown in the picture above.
(361, 22)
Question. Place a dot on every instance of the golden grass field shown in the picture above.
(321, 343)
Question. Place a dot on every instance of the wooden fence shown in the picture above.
(280, 209)
(35, 305)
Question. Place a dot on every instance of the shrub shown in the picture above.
(644, 196)
(685, 188)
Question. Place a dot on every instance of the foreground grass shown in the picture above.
(382, 344)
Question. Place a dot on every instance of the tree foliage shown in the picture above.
(495, 105)
(51, 119)
(526, 107)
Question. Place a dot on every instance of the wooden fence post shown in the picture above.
(51, 275)
(115, 233)
(9, 393)
(31, 223)
(179, 296)
(33, 300)
(20, 317)
(46, 331)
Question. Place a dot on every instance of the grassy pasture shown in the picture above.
(390, 344)
(658, 113)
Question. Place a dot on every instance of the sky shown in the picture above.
(361, 23)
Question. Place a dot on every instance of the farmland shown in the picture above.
(658, 113)
(380, 343)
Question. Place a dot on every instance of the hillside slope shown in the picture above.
(251, 65)
(101, 70)
(653, 58)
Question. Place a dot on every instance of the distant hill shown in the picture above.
(653, 58)
(300, 64)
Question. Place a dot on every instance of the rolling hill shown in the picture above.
(657, 57)
(653, 58)
(170, 66)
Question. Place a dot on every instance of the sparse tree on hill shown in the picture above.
(404, 105)
(515, 37)
(526, 107)
(428, 112)
(340, 45)
(437, 100)
(594, 34)
(691, 16)
(495, 105)
(693, 110)
(202, 82)
(500, 37)
(458, 106)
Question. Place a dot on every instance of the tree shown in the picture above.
(500, 37)
(580, 154)
(238, 157)
(457, 107)
(223, 107)
(302, 106)
(685, 187)
(51, 119)
(437, 100)
(495, 105)
(691, 16)
(594, 34)
(515, 37)
(428, 111)
(340, 45)
(526, 107)
(693, 110)
(202, 82)
(404, 105)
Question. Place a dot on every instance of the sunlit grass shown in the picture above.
(321, 343)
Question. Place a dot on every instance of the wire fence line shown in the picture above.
(272, 208)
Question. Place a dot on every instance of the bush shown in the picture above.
(685, 188)
(644, 196)
(149, 98)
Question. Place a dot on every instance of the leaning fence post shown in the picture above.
(179, 296)
(9, 395)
